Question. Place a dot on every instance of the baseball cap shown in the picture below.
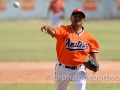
(78, 10)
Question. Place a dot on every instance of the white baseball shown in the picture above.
(16, 4)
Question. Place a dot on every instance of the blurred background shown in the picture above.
(37, 9)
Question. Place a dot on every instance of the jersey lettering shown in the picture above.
(75, 46)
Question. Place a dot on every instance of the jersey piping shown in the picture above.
(75, 31)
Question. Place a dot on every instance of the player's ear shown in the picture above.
(84, 19)
(71, 19)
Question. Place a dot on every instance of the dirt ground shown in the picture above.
(43, 72)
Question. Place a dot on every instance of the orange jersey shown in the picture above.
(56, 6)
(72, 49)
(2, 5)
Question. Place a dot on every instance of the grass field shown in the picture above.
(95, 86)
(23, 40)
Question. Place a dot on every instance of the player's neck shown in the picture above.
(78, 29)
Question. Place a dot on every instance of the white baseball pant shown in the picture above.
(65, 75)
(56, 20)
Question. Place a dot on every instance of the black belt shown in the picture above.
(69, 67)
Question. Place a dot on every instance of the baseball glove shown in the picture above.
(91, 64)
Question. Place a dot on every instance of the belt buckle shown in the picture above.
(75, 67)
(69, 67)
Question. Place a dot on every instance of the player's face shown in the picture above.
(77, 19)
